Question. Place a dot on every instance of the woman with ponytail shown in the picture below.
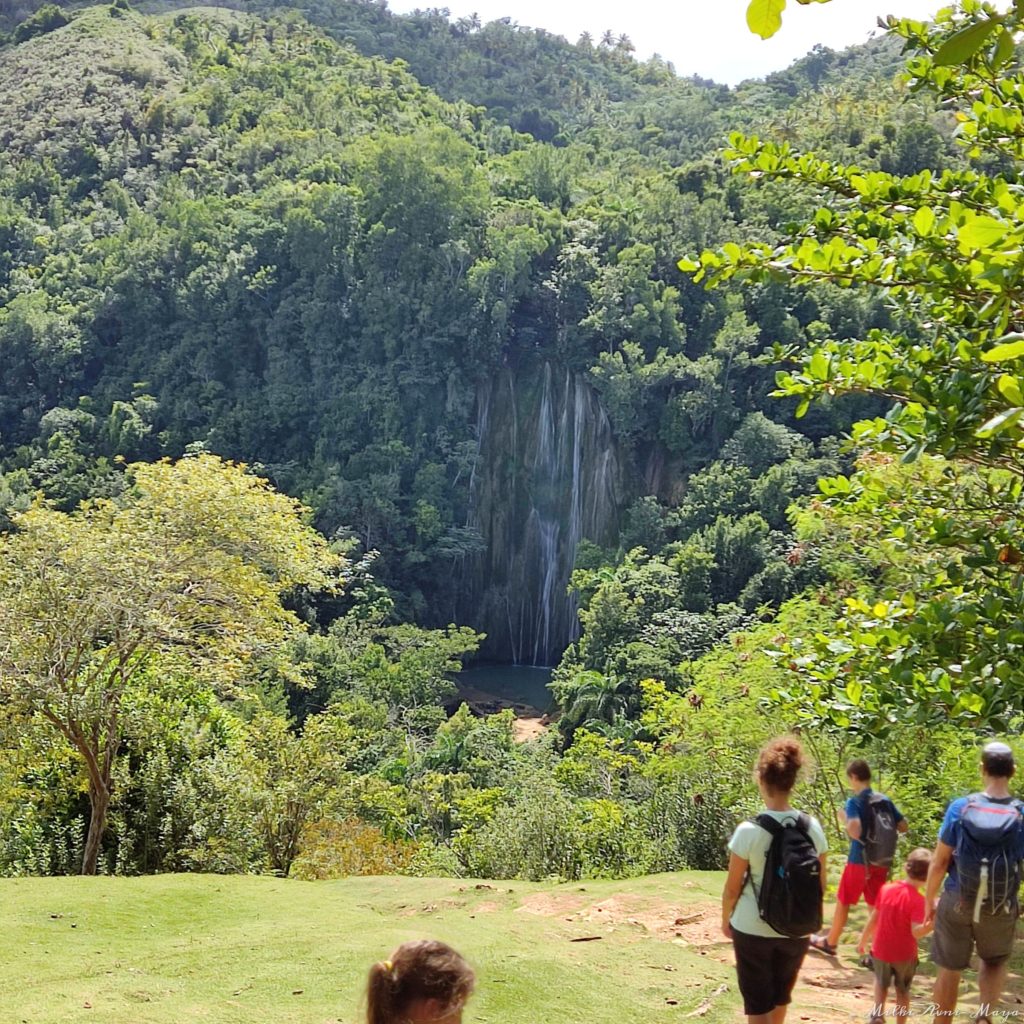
(424, 982)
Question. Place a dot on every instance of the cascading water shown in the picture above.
(546, 477)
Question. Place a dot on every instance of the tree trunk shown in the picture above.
(99, 802)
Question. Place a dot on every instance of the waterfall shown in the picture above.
(547, 475)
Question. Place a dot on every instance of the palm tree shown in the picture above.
(592, 697)
(785, 126)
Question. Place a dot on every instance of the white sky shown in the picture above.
(703, 37)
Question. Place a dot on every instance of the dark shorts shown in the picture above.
(957, 935)
(767, 970)
(901, 973)
(861, 880)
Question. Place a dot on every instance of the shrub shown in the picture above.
(533, 838)
(338, 849)
(686, 824)
(46, 19)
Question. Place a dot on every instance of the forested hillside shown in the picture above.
(234, 232)
(425, 278)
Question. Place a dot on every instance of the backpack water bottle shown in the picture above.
(988, 853)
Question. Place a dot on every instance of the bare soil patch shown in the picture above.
(552, 904)
(527, 728)
(830, 990)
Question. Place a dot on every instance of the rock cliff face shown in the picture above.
(547, 476)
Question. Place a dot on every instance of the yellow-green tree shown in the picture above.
(186, 571)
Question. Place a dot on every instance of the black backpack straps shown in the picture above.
(774, 827)
(769, 824)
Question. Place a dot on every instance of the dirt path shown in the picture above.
(830, 990)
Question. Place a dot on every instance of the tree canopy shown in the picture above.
(183, 576)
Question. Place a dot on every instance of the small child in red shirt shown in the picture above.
(895, 924)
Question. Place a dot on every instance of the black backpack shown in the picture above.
(790, 897)
(987, 854)
(878, 830)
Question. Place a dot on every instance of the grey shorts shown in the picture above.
(902, 973)
(956, 934)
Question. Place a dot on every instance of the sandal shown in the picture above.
(822, 945)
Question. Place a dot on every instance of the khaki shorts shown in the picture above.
(901, 973)
(957, 935)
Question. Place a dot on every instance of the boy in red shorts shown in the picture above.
(859, 878)
(892, 931)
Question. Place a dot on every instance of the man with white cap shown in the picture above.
(979, 853)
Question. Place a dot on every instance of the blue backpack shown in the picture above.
(988, 850)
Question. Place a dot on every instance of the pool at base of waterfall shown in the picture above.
(515, 686)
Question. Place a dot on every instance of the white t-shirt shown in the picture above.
(751, 842)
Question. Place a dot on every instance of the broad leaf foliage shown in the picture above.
(942, 635)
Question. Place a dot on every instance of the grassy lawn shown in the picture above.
(178, 949)
(235, 949)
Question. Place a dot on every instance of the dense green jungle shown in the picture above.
(423, 276)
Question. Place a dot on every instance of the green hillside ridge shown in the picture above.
(230, 231)
(99, 68)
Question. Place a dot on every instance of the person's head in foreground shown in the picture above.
(424, 982)
(997, 761)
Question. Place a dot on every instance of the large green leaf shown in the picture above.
(1004, 48)
(1010, 389)
(982, 232)
(764, 17)
(1001, 421)
(924, 221)
(1005, 352)
(963, 45)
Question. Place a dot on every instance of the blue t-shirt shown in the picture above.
(854, 806)
(950, 833)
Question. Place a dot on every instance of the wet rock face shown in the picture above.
(547, 476)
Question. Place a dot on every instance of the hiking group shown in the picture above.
(772, 901)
